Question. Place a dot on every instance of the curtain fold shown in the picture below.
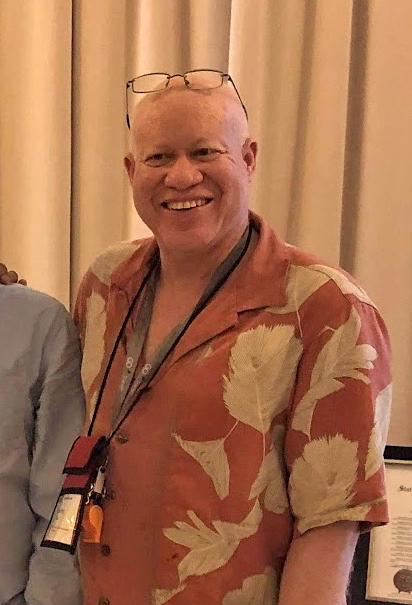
(98, 185)
(382, 252)
(35, 141)
(327, 86)
(295, 77)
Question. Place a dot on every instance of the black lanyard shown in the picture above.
(133, 391)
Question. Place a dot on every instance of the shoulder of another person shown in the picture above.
(110, 260)
(27, 314)
(26, 299)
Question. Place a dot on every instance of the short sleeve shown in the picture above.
(339, 419)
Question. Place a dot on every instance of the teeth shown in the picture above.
(185, 205)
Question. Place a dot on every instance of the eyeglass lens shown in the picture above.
(150, 82)
(204, 79)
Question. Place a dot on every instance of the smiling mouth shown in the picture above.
(187, 204)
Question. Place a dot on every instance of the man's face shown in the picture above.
(190, 169)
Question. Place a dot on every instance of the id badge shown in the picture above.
(86, 457)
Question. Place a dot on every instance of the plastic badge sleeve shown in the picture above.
(86, 456)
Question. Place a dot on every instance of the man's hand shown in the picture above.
(10, 277)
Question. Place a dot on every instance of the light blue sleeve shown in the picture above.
(58, 407)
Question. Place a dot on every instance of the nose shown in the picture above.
(183, 174)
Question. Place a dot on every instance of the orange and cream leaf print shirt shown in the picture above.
(268, 419)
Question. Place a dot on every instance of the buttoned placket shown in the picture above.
(130, 382)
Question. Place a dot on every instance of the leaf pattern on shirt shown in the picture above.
(345, 285)
(210, 549)
(302, 283)
(104, 265)
(163, 595)
(261, 589)
(323, 478)
(377, 440)
(262, 364)
(93, 347)
(212, 457)
(340, 357)
(271, 477)
(206, 351)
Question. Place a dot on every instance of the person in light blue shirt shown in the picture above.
(41, 414)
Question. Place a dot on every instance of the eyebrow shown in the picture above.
(150, 149)
(202, 140)
(166, 148)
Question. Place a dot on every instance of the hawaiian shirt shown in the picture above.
(268, 419)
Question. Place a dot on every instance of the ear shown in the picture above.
(129, 164)
(249, 152)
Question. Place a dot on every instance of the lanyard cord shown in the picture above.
(115, 347)
(201, 304)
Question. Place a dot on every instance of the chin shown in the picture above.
(190, 243)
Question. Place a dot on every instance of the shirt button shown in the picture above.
(121, 439)
(105, 550)
(103, 601)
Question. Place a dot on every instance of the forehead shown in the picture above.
(179, 114)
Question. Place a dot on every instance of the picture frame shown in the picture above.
(382, 570)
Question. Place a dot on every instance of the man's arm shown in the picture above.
(59, 407)
(318, 566)
(334, 446)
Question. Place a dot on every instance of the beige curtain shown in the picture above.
(327, 86)
(35, 141)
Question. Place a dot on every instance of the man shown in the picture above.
(260, 438)
(41, 413)
(244, 384)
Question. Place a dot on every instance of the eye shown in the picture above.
(158, 159)
(206, 153)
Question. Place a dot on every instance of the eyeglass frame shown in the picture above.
(129, 84)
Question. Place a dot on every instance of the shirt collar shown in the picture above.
(259, 280)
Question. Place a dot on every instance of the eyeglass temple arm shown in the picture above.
(237, 92)
(128, 85)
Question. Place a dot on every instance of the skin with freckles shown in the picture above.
(191, 146)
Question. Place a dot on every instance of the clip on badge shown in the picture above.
(93, 514)
(82, 488)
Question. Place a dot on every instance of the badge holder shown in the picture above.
(80, 499)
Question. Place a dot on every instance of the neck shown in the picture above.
(192, 271)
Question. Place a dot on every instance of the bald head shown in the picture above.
(221, 103)
(190, 167)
